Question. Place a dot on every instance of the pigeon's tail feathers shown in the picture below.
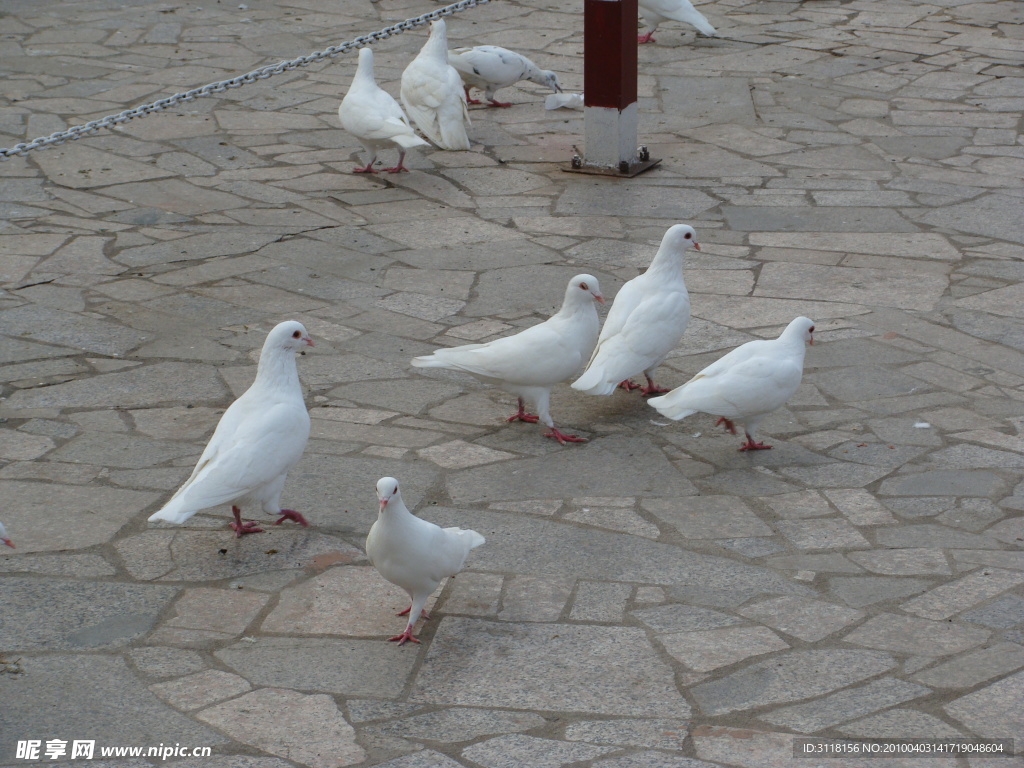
(454, 359)
(174, 511)
(694, 18)
(471, 538)
(594, 382)
(703, 26)
(674, 411)
(408, 141)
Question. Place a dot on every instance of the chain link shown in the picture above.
(76, 132)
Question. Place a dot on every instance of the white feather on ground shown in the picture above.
(490, 67)
(656, 11)
(414, 554)
(646, 321)
(259, 438)
(746, 384)
(432, 93)
(372, 115)
(531, 362)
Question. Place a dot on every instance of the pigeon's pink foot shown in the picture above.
(728, 424)
(367, 169)
(494, 103)
(648, 38)
(291, 514)
(397, 169)
(750, 445)
(628, 385)
(470, 99)
(522, 415)
(403, 638)
(241, 528)
(423, 613)
(9, 543)
(652, 388)
(562, 438)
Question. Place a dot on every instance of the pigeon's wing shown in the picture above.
(451, 547)
(649, 333)
(539, 356)
(738, 385)
(257, 452)
(496, 65)
(626, 300)
(679, 10)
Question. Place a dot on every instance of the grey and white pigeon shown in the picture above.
(656, 11)
(531, 362)
(373, 116)
(646, 321)
(432, 93)
(259, 438)
(414, 554)
(490, 67)
(746, 384)
(5, 538)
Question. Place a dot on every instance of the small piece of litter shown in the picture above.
(659, 423)
(922, 425)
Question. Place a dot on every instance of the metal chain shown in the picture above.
(78, 131)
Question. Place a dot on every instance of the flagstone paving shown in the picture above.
(650, 599)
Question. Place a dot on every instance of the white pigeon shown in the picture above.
(647, 319)
(746, 384)
(656, 11)
(372, 115)
(531, 362)
(259, 438)
(432, 93)
(414, 554)
(4, 538)
(490, 67)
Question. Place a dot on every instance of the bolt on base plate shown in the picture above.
(641, 162)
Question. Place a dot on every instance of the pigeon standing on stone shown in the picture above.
(490, 67)
(646, 321)
(656, 11)
(372, 115)
(414, 554)
(4, 538)
(531, 362)
(432, 93)
(745, 385)
(259, 438)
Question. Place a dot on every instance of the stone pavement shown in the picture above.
(652, 599)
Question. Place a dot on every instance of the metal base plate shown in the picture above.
(635, 168)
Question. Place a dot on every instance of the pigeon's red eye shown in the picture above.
(297, 334)
(811, 329)
(687, 235)
(583, 286)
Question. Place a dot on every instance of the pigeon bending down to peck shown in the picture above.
(414, 554)
(372, 115)
(259, 438)
(432, 93)
(490, 67)
(745, 385)
(531, 362)
(4, 538)
(646, 321)
(656, 11)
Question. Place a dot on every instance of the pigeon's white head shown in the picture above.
(291, 335)
(680, 238)
(387, 489)
(4, 538)
(548, 78)
(585, 286)
(802, 328)
(366, 60)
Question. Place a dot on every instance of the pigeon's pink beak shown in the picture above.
(811, 342)
(384, 503)
(9, 543)
(308, 341)
(599, 297)
(696, 245)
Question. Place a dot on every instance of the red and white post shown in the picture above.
(609, 90)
